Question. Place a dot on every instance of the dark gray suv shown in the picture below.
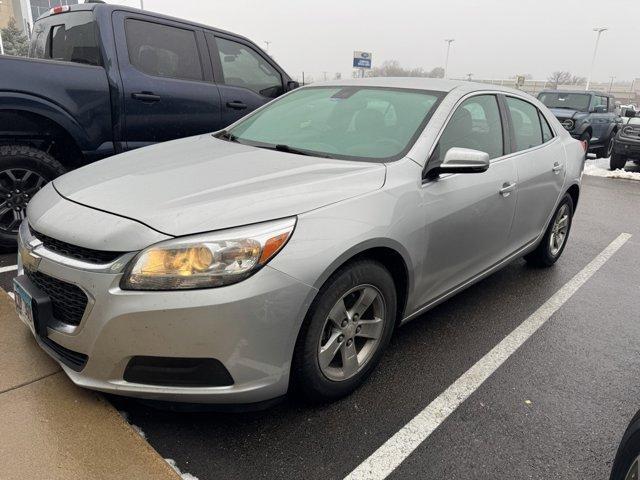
(589, 116)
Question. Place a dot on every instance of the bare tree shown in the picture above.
(392, 68)
(565, 78)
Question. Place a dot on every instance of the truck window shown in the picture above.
(162, 50)
(69, 37)
(243, 67)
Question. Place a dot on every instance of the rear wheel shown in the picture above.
(617, 161)
(23, 171)
(606, 150)
(346, 331)
(555, 238)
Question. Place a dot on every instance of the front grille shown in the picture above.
(74, 251)
(567, 123)
(68, 301)
(632, 132)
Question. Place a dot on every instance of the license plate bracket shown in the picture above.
(33, 306)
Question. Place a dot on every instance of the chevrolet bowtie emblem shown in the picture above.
(30, 261)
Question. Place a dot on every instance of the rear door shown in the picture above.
(540, 162)
(168, 88)
(600, 118)
(246, 77)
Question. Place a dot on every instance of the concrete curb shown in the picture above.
(50, 429)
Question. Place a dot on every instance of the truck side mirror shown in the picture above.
(292, 85)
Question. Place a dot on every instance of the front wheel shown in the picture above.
(346, 331)
(555, 238)
(23, 171)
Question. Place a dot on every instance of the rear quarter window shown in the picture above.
(69, 37)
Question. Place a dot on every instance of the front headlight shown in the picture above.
(207, 260)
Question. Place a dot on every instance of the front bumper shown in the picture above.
(627, 147)
(250, 328)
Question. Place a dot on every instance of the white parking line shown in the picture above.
(10, 268)
(395, 450)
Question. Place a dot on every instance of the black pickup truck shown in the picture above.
(102, 79)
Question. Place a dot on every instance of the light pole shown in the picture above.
(448, 41)
(267, 43)
(141, 4)
(1, 45)
(611, 83)
(599, 30)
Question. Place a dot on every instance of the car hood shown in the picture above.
(565, 112)
(201, 184)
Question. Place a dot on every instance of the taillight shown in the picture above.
(59, 9)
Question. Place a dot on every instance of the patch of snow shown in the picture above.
(591, 168)
(183, 475)
(139, 431)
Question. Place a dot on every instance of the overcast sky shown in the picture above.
(493, 38)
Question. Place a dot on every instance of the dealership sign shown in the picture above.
(361, 59)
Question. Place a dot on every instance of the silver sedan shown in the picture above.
(281, 253)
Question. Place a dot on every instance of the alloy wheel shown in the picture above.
(559, 230)
(17, 186)
(352, 332)
(632, 473)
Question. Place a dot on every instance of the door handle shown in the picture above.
(507, 188)
(237, 105)
(557, 168)
(148, 97)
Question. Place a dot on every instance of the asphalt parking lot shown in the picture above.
(556, 408)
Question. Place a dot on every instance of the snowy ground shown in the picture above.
(600, 168)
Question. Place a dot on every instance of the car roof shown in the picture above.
(116, 7)
(588, 92)
(416, 83)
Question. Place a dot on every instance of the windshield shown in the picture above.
(359, 123)
(572, 101)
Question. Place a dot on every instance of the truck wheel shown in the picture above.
(617, 161)
(607, 149)
(585, 138)
(23, 171)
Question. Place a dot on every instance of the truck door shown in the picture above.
(246, 77)
(168, 88)
(600, 119)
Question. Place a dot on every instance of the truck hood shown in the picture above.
(201, 184)
(565, 112)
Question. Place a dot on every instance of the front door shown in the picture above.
(247, 80)
(468, 216)
(540, 162)
(168, 88)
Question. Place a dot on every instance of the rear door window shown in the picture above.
(69, 37)
(244, 67)
(163, 50)
(525, 124)
(547, 133)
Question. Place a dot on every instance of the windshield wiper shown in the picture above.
(286, 148)
(227, 136)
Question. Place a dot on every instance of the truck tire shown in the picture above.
(617, 161)
(606, 150)
(23, 171)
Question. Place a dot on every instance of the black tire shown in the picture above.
(543, 256)
(628, 450)
(307, 377)
(586, 137)
(21, 158)
(606, 150)
(617, 161)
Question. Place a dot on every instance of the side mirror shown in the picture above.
(463, 160)
(292, 85)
